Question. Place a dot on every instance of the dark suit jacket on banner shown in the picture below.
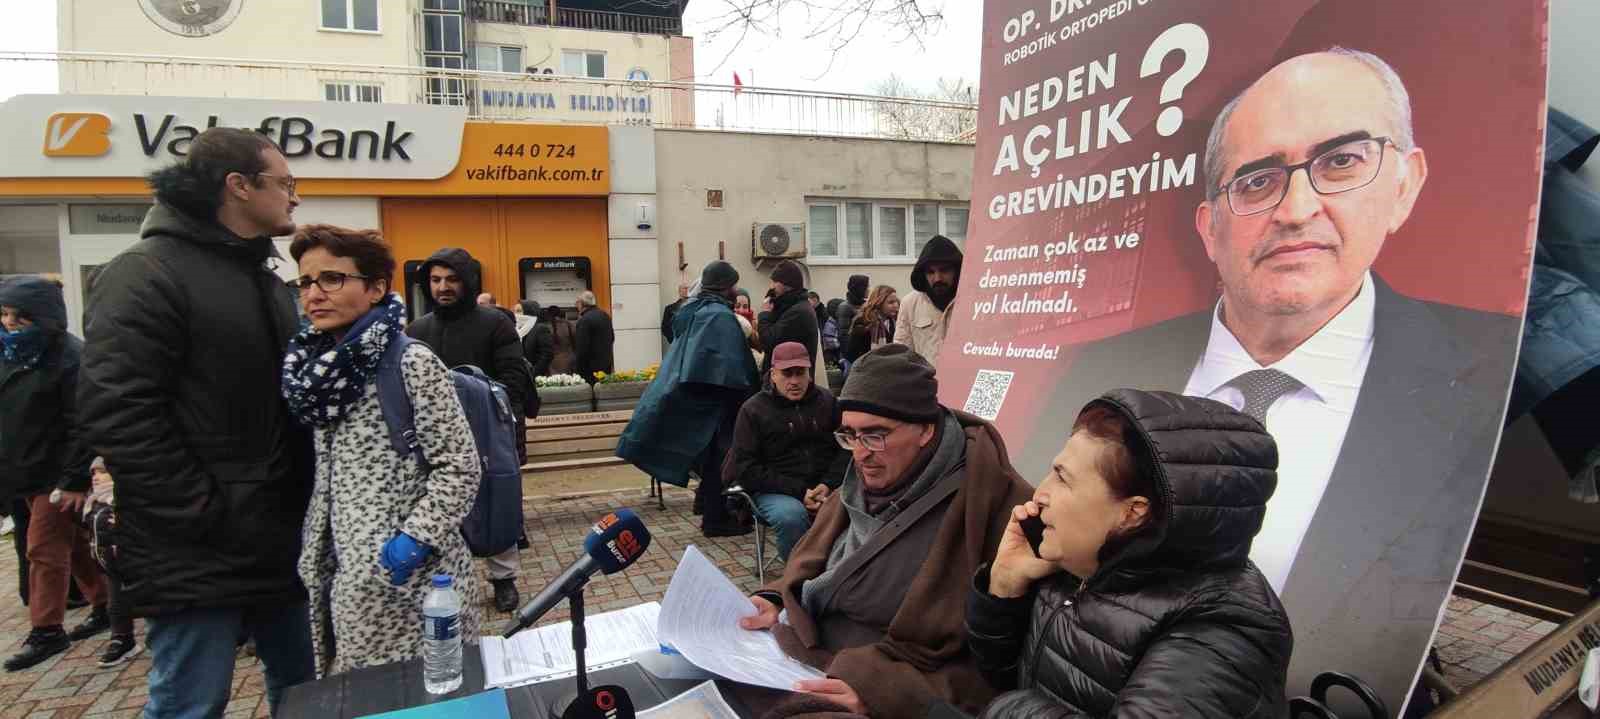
(1383, 545)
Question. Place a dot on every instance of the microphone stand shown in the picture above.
(580, 640)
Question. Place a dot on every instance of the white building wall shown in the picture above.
(632, 230)
(279, 30)
(769, 178)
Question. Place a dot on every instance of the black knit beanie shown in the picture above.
(895, 382)
(788, 272)
(718, 276)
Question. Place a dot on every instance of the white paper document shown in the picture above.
(701, 702)
(534, 655)
(700, 620)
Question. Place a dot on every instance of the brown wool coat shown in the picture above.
(923, 658)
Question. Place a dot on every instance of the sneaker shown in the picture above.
(99, 621)
(119, 650)
(506, 598)
(40, 645)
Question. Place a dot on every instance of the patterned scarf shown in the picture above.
(24, 347)
(323, 377)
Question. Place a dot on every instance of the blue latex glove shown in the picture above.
(401, 556)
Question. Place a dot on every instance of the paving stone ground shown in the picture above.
(1474, 640)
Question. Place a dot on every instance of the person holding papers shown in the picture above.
(875, 591)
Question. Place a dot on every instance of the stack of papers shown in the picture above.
(701, 702)
(534, 655)
(700, 620)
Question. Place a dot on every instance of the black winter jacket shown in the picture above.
(539, 347)
(791, 320)
(41, 447)
(594, 344)
(785, 447)
(179, 392)
(1179, 622)
(467, 334)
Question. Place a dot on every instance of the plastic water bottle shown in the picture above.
(441, 637)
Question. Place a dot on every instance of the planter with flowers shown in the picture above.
(564, 394)
(621, 390)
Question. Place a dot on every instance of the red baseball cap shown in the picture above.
(790, 354)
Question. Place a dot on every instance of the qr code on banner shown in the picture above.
(988, 393)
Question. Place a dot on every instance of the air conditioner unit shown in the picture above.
(777, 240)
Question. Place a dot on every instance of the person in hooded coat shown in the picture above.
(791, 319)
(685, 418)
(924, 314)
(855, 297)
(1141, 600)
(462, 332)
(538, 342)
(42, 449)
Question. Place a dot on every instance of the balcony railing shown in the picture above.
(511, 96)
(513, 13)
(538, 13)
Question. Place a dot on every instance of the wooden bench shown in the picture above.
(568, 441)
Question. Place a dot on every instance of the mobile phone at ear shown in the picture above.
(1033, 529)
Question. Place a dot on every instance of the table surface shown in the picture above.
(399, 686)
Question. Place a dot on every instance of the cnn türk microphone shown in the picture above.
(613, 543)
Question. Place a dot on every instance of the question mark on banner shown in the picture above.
(1196, 47)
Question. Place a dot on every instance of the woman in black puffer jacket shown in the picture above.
(1154, 500)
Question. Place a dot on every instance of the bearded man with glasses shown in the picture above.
(1385, 408)
(874, 592)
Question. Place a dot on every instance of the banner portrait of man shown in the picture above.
(1323, 244)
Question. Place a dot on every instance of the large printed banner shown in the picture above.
(1338, 196)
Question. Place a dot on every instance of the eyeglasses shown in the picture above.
(874, 442)
(329, 281)
(287, 182)
(1350, 166)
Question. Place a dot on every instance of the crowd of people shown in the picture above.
(261, 493)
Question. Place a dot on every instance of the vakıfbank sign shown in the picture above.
(127, 136)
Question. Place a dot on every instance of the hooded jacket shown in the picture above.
(538, 342)
(791, 320)
(179, 391)
(1178, 622)
(41, 447)
(855, 296)
(781, 446)
(921, 324)
(465, 333)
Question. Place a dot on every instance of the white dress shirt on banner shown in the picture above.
(1309, 424)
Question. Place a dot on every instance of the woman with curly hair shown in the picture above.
(873, 327)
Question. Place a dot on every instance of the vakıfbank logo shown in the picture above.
(77, 134)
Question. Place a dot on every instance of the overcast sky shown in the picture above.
(788, 61)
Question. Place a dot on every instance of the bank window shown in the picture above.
(497, 58)
(583, 63)
(880, 232)
(822, 230)
(445, 90)
(892, 227)
(351, 92)
(924, 224)
(359, 15)
(955, 224)
(446, 5)
(441, 33)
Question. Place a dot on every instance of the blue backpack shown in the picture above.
(495, 523)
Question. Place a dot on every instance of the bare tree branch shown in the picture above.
(838, 22)
(923, 121)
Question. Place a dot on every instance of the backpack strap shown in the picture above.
(395, 402)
